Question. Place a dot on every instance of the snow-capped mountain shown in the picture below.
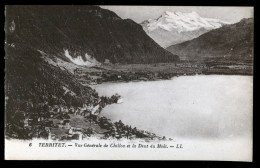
(176, 27)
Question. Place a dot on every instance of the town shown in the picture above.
(73, 123)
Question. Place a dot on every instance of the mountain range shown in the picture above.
(177, 27)
(233, 41)
(84, 35)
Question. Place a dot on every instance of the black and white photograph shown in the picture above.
(104, 82)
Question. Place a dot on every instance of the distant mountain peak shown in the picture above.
(180, 24)
(181, 21)
(178, 13)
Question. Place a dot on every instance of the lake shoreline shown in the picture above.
(108, 89)
(150, 80)
(158, 71)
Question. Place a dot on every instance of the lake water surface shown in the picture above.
(204, 106)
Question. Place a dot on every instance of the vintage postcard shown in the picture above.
(129, 82)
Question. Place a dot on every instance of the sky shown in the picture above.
(141, 13)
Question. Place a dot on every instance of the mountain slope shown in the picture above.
(85, 35)
(230, 41)
(33, 87)
(176, 27)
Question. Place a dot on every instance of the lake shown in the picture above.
(202, 106)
